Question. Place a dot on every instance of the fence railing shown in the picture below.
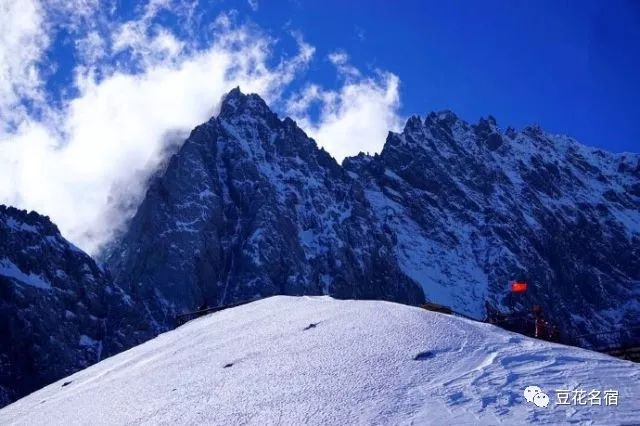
(184, 318)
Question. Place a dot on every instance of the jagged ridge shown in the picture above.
(250, 207)
(474, 207)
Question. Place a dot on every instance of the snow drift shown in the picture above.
(315, 360)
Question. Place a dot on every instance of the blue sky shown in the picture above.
(570, 66)
(93, 91)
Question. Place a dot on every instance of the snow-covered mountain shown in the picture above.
(315, 360)
(473, 207)
(251, 207)
(59, 312)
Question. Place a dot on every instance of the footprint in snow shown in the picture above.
(312, 325)
(424, 355)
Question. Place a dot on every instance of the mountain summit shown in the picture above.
(449, 211)
(250, 207)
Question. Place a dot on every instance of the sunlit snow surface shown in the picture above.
(307, 360)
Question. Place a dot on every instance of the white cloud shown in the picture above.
(93, 157)
(22, 43)
(340, 60)
(152, 8)
(148, 48)
(26, 29)
(355, 118)
(253, 4)
(86, 163)
(75, 10)
(91, 48)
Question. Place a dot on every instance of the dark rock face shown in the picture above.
(58, 311)
(250, 207)
(472, 208)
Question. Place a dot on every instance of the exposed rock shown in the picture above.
(248, 208)
(59, 312)
(471, 211)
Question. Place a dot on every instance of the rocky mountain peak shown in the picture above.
(251, 207)
(414, 123)
(236, 105)
(444, 117)
(471, 207)
(488, 134)
(457, 208)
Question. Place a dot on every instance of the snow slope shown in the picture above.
(316, 360)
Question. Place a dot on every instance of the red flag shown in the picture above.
(518, 287)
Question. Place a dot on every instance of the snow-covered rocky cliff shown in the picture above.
(473, 207)
(59, 312)
(449, 211)
(250, 207)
